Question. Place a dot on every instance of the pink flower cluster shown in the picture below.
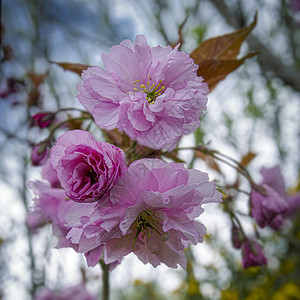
(99, 206)
(103, 209)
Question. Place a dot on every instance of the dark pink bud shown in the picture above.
(39, 154)
(237, 237)
(44, 119)
(252, 254)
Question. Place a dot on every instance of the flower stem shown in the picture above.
(105, 280)
(223, 158)
(65, 122)
(72, 108)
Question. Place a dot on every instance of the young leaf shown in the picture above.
(246, 159)
(217, 57)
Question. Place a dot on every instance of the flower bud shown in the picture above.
(252, 254)
(237, 237)
(39, 153)
(43, 119)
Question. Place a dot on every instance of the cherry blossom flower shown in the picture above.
(50, 206)
(153, 216)
(267, 207)
(270, 205)
(153, 94)
(86, 169)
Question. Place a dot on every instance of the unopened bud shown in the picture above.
(39, 153)
(43, 119)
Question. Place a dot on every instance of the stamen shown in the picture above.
(145, 223)
(152, 90)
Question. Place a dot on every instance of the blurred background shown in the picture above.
(254, 110)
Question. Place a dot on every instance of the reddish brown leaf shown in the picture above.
(213, 71)
(33, 97)
(217, 57)
(210, 161)
(246, 159)
(37, 79)
(76, 68)
(34, 94)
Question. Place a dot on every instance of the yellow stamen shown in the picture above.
(152, 90)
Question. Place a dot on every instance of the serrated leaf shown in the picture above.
(76, 68)
(217, 57)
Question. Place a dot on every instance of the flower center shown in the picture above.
(93, 176)
(151, 90)
(146, 223)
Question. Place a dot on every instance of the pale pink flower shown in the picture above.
(86, 169)
(50, 206)
(49, 174)
(153, 216)
(153, 94)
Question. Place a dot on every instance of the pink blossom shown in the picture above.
(153, 216)
(50, 206)
(252, 254)
(267, 207)
(77, 292)
(153, 94)
(270, 205)
(86, 169)
(49, 174)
